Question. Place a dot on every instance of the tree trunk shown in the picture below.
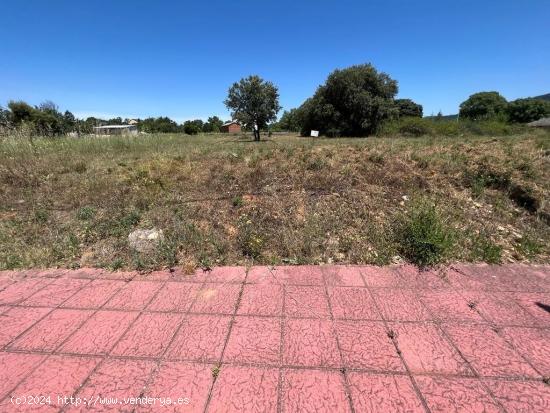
(256, 135)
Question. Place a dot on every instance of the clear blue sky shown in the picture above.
(176, 58)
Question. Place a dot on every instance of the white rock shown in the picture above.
(145, 240)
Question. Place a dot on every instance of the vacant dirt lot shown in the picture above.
(224, 200)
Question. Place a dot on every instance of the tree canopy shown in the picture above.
(253, 102)
(352, 102)
(407, 107)
(527, 110)
(483, 105)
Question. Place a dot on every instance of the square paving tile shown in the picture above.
(14, 367)
(117, 380)
(449, 305)
(343, 276)
(314, 391)
(425, 350)
(57, 376)
(16, 320)
(536, 304)
(134, 296)
(487, 352)
(175, 296)
(366, 345)
(55, 293)
(310, 342)
(201, 338)
(286, 275)
(306, 302)
(94, 295)
(175, 380)
(521, 396)
(245, 389)
(51, 331)
(99, 333)
(531, 343)
(373, 393)
(400, 305)
(254, 340)
(262, 299)
(381, 276)
(215, 298)
(497, 278)
(149, 336)
(499, 308)
(353, 303)
(17, 292)
(444, 394)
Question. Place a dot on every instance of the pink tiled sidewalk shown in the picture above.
(286, 339)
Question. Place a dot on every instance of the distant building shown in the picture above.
(116, 130)
(230, 127)
(132, 122)
(541, 123)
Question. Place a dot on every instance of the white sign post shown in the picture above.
(314, 134)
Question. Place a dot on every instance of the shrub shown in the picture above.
(415, 127)
(423, 237)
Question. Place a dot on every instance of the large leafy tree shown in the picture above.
(213, 124)
(253, 102)
(352, 102)
(193, 127)
(407, 107)
(483, 105)
(527, 110)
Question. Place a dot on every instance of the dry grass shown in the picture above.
(226, 200)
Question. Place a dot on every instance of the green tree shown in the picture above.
(213, 124)
(5, 118)
(527, 110)
(353, 102)
(483, 105)
(407, 107)
(193, 127)
(20, 112)
(253, 102)
(290, 121)
(69, 121)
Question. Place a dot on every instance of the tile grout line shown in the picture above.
(161, 358)
(231, 322)
(47, 355)
(498, 329)
(343, 369)
(106, 356)
(281, 351)
(455, 347)
(394, 341)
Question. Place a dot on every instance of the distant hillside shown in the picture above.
(543, 97)
(444, 117)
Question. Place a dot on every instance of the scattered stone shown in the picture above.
(145, 240)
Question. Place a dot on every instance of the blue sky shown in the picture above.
(176, 58)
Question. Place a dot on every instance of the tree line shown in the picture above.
(355, 101)
(47, 120)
